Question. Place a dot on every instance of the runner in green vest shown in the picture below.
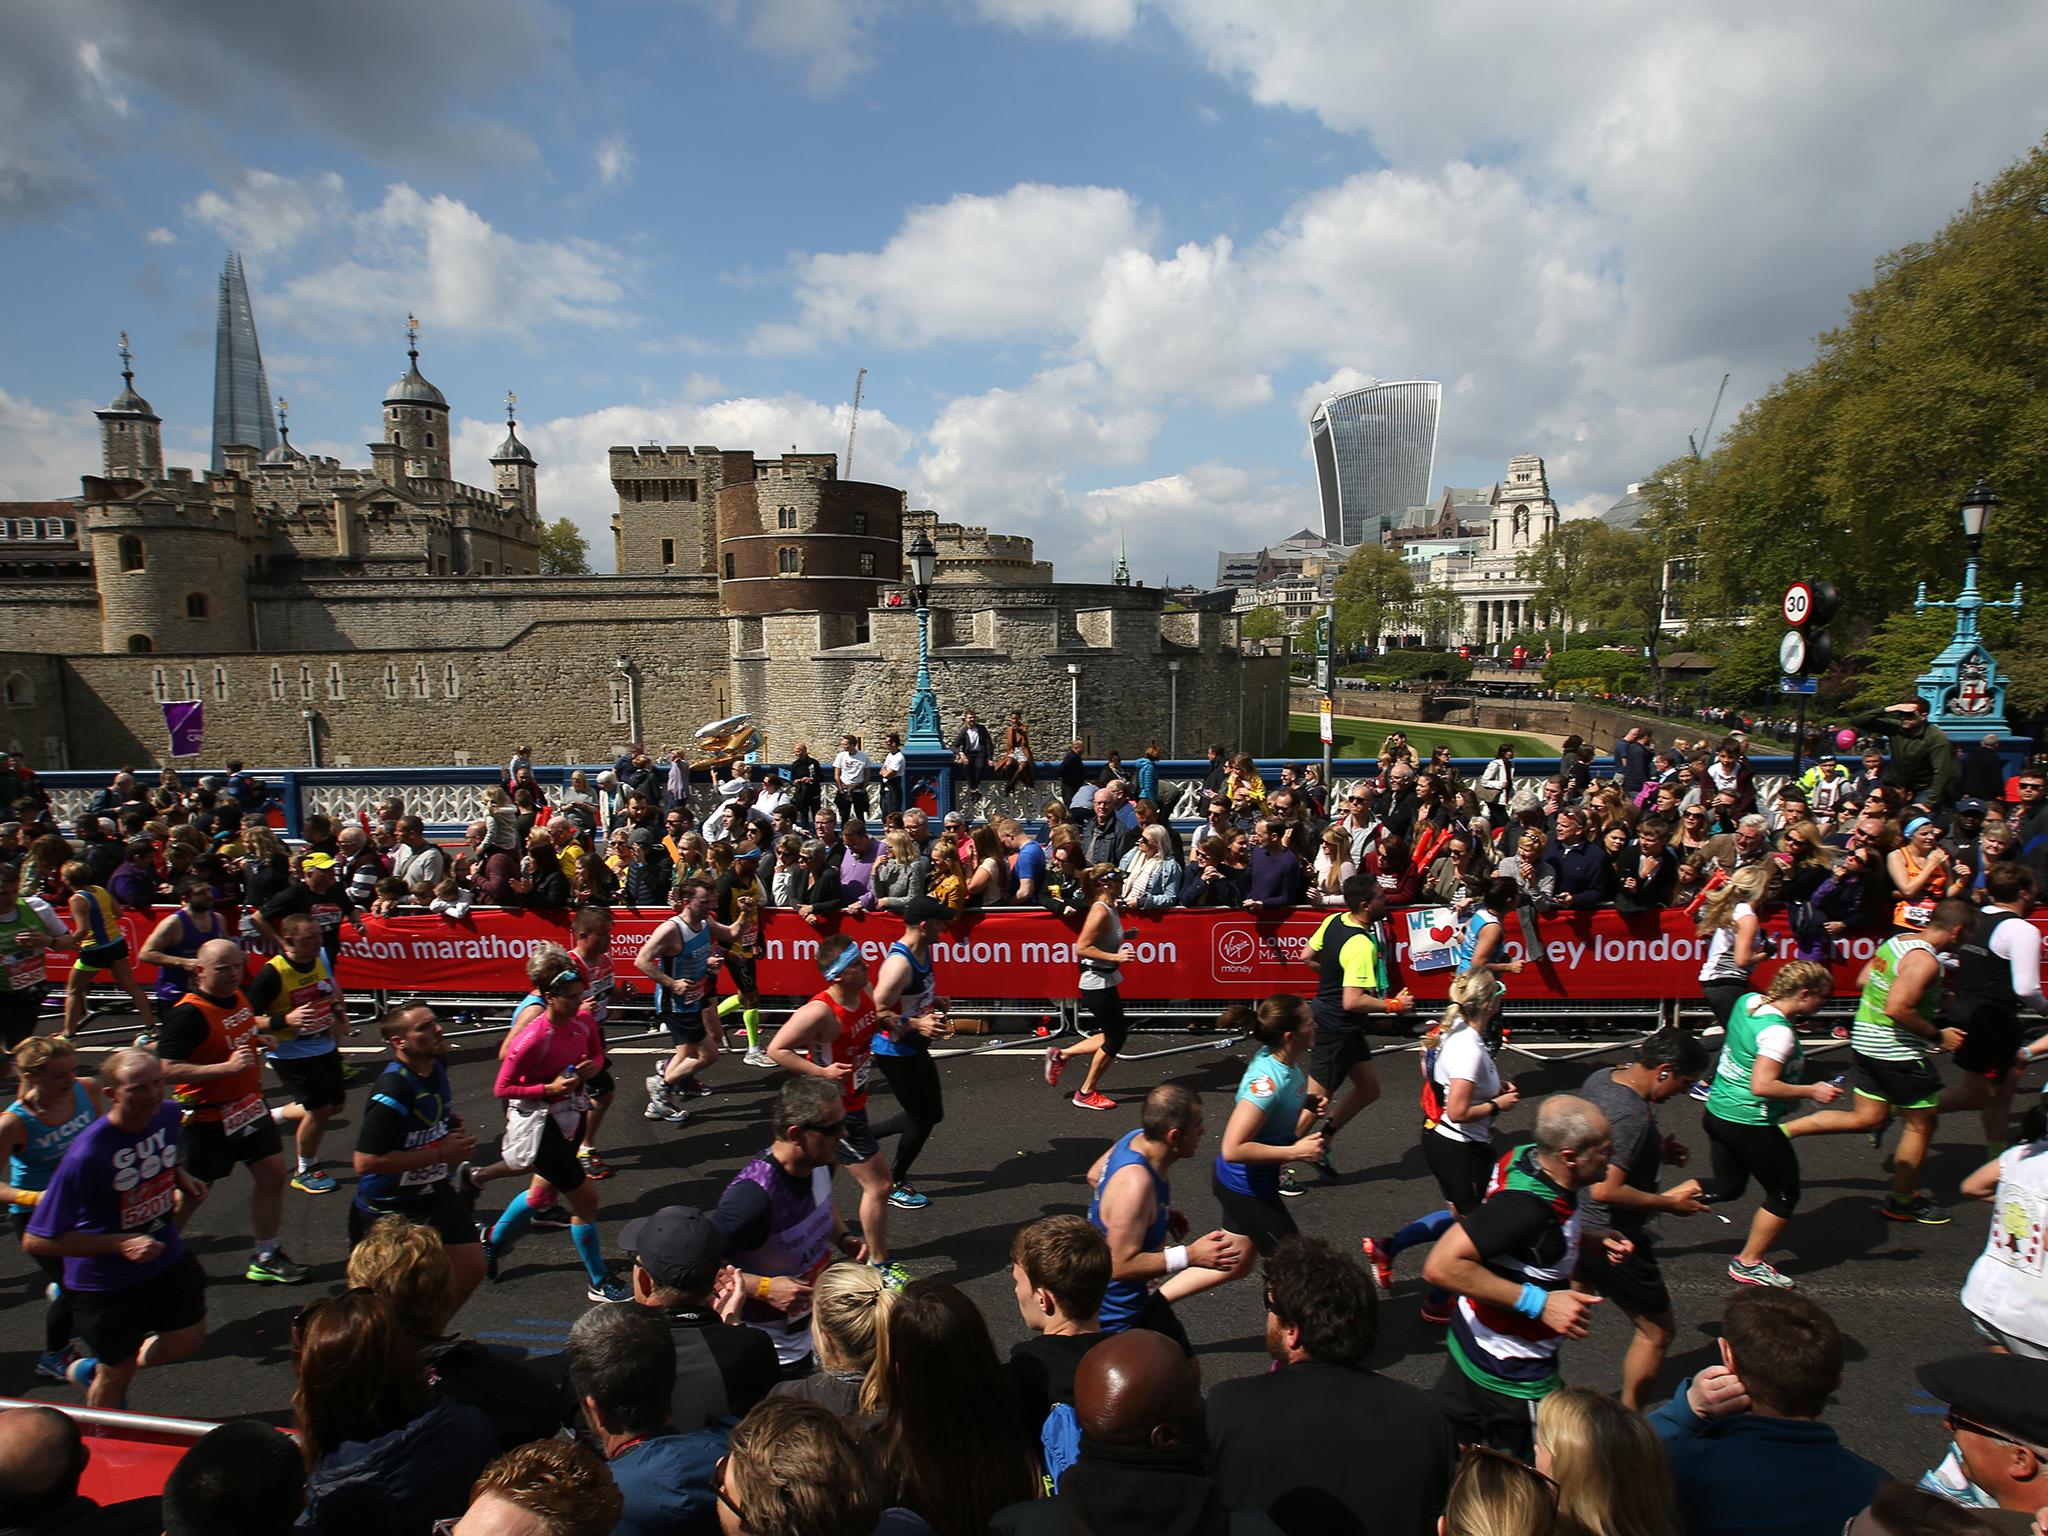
(1894, 1040)
(1755, 1084)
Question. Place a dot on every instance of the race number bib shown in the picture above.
(862, 1073)
(149, 1202)
(419, 1178)
(242, 1114)
(24, 970)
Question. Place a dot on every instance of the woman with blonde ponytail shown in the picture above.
(850, 1308)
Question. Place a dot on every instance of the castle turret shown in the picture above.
(131, 435)
(416, 417)
(283, 452)
(514, 466)
(171, 561)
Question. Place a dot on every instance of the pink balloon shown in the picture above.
(1845, 738)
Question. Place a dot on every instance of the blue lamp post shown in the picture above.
(1963, 687)
(923, 735)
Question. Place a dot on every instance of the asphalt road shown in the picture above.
(1012, 1149)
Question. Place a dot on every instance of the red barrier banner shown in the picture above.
(1182, 955)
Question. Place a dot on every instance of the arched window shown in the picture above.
(131, 552)
(195, 605)
(140, 645)
(728, 567)
(788, 562)
(18, 691)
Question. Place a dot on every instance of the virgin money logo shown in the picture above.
(1235, 948)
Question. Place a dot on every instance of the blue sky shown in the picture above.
(1098, 256)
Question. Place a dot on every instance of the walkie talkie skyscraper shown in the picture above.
(241, 393)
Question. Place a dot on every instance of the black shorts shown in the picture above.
(1636, 1284)
(437, 1206)
(1901, 1084)
(208, 1153)
(556, 1159)
(1262, 1218)
(1105, 1007)
(114, 1323)
(1990, 1044)
(1481, 1416)
(313, 1081)
(686, 1025)
(601, 1083)
(741, 969)
(100, 957)
(1761, 1152)
(1335, 1053)
(19, 1012)
(856, 1141)
(1462, 1169)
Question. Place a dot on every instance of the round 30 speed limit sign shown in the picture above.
(1798, 603)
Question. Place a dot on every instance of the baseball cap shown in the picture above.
(317, 861)
(1969, 807)
(675, 1243)
(639, 837)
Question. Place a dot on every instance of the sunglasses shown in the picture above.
(827, 1130)
(718, 1487)
(1956, 1421)
(1468, 1453)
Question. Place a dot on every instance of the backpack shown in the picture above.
(1059, 1442)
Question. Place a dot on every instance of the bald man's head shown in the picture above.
(219, 963)
(41, 1457)
(1139, 1388)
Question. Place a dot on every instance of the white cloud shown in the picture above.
(1178, 522)
(1342, 382)
(1175, 328)
(832, 40)
(1105, 19)
(574, 451)
(100, 78)
(161, 236)
(975, 268)
(44, 451)
(613, 161)
(435, 255)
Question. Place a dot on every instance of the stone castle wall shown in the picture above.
(50, 615)
(406, 612)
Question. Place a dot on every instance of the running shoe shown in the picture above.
(594, 1166)
(904, 1198)
(1759, 1273)
(1093, 1101)
(1290, 1182)
(1055, 1064)
(1919, 1208)
(611, 1288)
(894, 1276)
(146, 1041)
(1437, 1314)
(1381, 1262)
(466, 1184)
(1326, 1171)
(760, 1058)
(672, 1113)
(1839, 1032)
(1701, 1089)
(483, 1235)
(691, 1087)
(553, 1217)
(81, 1371)
(56, 1367)
(313, 1181)
(278, 1269)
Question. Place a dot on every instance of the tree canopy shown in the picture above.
(1261, 623)
(563, 549)
(1372, 593)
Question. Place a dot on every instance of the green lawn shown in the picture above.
(1362, 738)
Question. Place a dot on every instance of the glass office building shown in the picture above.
(1375, 451)
(241, 391)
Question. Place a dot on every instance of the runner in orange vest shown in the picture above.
(211, 1042)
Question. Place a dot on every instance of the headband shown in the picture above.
(843, 963)
(1917, 823)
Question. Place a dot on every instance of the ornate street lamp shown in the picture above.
(1963, 687)
(923, 735)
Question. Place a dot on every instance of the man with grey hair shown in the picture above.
(623, 1372)
(1729, 851)
(1510, 1265)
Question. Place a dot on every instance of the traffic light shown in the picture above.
(1809, 604)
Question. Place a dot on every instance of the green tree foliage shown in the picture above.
(1595, 574)
(1372, 592)
(563, 550)
(1261, 623)
(1435, 611)
(1747, 655)
(1852, 467)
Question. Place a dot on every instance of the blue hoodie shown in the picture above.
(1748, 1474)
(404, 1481)
(667, 1483)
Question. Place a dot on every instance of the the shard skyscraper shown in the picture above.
(241, 393)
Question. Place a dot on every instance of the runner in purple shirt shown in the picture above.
(138, 1296)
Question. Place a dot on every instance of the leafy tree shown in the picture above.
(1747, 653)
(1436, 611)
(1596, 574)
(563, 549)
(1852, 467)
(1371, 593)
(1261, 623)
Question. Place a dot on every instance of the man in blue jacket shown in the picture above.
(622, 1368)
(1747, 1449)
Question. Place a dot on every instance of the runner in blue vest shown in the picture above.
(913, 1015)
(1133, 1208)
(173, 945)
(50, 1110)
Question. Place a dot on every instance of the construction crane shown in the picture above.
(1707, 432)
(853, 421)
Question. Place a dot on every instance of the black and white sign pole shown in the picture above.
(1806, 649)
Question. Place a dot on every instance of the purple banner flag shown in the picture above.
(187, 724)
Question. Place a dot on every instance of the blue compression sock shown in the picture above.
(584, 1235)
(514, 1220)
(1423, 1229)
